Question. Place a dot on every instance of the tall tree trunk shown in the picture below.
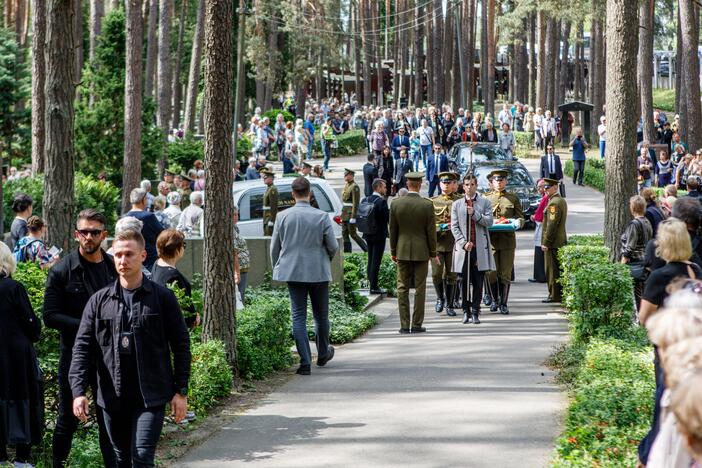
(532, 60)
(356, 28)
(452, 85)
(365, 39)
(419, 30)
(437, 46)
(620, 167)
(219, 315)
(132, 101)
(194, 72)
(430, 55)
(578, 81)
(163, 117)
(397, 59)
(272, 59)
(680, 92)
(491, 52)
(177, 85)
(597, 66)
(97, 12)
(550, 64)
(645, 66)
(60, 95)
(78, 38)
(469, 53)
(542, 76)
(689, 19)
(151, 48)
(564, 78)
(378, 55)
(38, 83)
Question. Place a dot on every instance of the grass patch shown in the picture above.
(664, 99)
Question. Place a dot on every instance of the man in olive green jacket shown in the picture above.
(412, 244)
(553, 237)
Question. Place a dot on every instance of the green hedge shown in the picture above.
(211, 377)
(88, 191)
(594, 173)
(574, 258)
(272, 115)
(345, 323)
(387, 276)
(524, 139)
(350, 143)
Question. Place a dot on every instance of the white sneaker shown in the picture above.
(22, 465)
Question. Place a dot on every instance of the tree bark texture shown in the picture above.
(132, 101)
(78, 38)
(195, 66)
(620, 166)
(469, 53)
(564, 72)
(163, 114)
(418, 55)
(532, 60)
(60, 95)
(438, 43)
(689, 20)
(38, 82)
(219, 316)
(645, 66)
(177, 85)
(355, 27)
(97, 12)
(491, 53)
(680, 99)
(541, 71)
(151, 48)
(550, 64)
(365, 40)
(273, 58)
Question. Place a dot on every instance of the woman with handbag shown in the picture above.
(633, 241)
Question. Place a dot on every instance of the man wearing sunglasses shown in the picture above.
(68, 287)
(505, 205)
(553, 237)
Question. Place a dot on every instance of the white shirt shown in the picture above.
(602, 131)
(425, 135)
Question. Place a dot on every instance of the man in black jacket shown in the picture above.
(551, 168)
(370, 173)
(403, 166)
(131, 328)
(376, 240)
(69, 285)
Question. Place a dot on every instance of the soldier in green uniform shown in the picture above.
(412, 245)
(553, 237)
(184, 190)
(168, 178)
(351, 197)
(504, 243)
(441, 272)
(270, 201)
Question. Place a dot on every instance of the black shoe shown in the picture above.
(487, 300)
(418, 329)
(504, 310)
(450, 312)
(404, 331)
(532, 280)
(476, 319)
(439, 306)
(303, 370)
(466, 317)
(378, 291)
(493, 307)
(548, 300)
(581, 184)
(321, 361)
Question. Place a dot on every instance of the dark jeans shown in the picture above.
(578, 171)
(22, 453)
(375, 255)
(134, 434)
(476, 279)
(326, 150)
(319, 296)
(67, 423)
(433, 185)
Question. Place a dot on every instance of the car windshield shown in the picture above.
(481, 153)
(518, 177)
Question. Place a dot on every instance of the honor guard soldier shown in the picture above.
(168, 178)
(553, 237)
(351, 197)
(442, 276)
(270, 201)
(184, 190)
(505, 206)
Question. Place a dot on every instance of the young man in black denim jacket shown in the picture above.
(133, 326)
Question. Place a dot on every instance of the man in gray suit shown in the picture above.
(474, 239)
(302, 246)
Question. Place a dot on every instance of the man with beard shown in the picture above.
(68, 287)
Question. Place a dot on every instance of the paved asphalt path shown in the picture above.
(457, 396)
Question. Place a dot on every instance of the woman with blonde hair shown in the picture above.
(685, 404)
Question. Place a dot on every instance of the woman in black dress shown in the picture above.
(21, 395)
(171, 248)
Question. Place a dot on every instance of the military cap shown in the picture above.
(170, 172)
(498, 172)
(185, 177)
(306, 164)
(414, 176)
(349, 171)
(550, 182)
(266, 172)
(448, 175)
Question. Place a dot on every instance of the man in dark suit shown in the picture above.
(399, 142)
(436, 164)
(376, 240)
(403, 166)
(551, 168)
(370, 173)
(489, 135)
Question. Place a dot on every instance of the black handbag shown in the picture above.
(639, 271)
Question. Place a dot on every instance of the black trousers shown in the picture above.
(67, 423)
(476, 280)
(134, 433)
(578, 171)
(319, 297)
(539, 269)
(376, 248)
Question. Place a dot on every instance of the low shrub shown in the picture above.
(210, 376)
(353, 274)
(349, 143)
(594, 173)
(586, 239)
(611, 406)
(524, 139)
(387, 275)
(272, 115)
(345, 323)
(573, 258)
(184, 152)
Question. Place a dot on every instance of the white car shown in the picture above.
(248, 197)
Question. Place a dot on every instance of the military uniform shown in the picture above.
(553, 236)
(412, 243)
(504, 243)
(351, 197)
(172, 187)
(270, 204)
(442, 276)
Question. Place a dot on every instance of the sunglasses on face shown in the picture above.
(89, 232)
(548, 186)
(498, 178)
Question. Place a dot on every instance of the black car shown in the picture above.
(460, 155)
(519, 182)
